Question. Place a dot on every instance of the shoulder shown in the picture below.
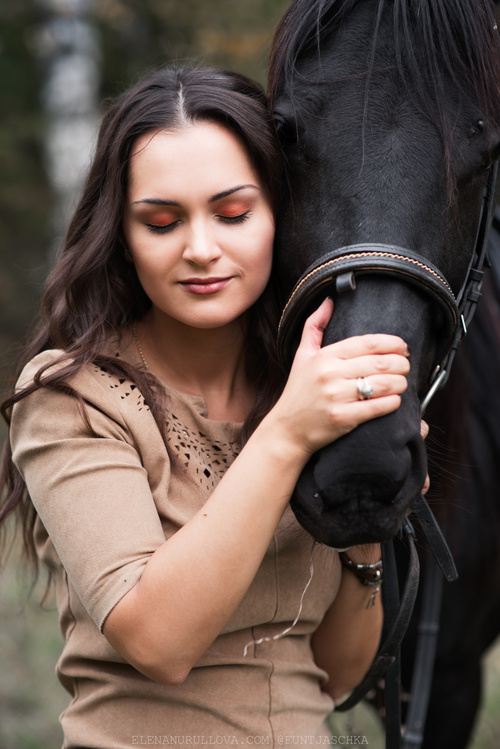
(44, 363)
(99, 389)
(89, 407)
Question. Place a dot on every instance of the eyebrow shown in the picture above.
(212, 199)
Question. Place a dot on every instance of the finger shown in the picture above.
(366, 366)
(314, 327)
(366, 345)
(378, 385)
(351, 414)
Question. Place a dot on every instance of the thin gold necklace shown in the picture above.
(138, 345)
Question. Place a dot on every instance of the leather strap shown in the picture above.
(423, 668)
(389, 650)
(344, 264)
(392, 680)
(429, 525)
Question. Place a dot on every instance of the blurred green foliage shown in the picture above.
(25, 200)
(226, 33)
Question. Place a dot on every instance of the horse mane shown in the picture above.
(434, 42)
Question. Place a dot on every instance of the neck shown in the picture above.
(202, 362)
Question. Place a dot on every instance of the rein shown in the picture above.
(341, 267)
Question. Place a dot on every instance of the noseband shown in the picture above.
(342, 266)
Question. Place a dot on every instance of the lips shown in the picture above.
(206, 285)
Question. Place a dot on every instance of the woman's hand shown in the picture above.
(320, 401)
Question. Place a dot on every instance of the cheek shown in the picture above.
(267, 251)
(267, 260)
(258, 261)
(263, 252)
(152, 268)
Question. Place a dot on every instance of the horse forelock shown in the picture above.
(434, 42)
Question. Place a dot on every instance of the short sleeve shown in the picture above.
(90, 490)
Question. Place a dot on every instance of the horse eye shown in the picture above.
(287, 129)
(477, 128)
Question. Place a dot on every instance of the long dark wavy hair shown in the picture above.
(93, 293)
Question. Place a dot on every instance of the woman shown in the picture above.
(194, 607)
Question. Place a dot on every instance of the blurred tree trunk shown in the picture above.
(67, 46)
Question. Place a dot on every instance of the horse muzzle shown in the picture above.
(360, 488)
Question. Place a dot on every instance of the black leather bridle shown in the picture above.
(341, 267)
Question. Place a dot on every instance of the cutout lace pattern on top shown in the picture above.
(211, 457)
(128, 389)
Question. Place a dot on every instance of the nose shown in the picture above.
(201, 247)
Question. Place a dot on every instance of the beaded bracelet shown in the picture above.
(369, 574)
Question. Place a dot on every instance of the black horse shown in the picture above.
(389, 116)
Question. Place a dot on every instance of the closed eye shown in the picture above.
(161, 228)
(239, 219)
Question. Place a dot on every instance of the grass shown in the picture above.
(31, 698)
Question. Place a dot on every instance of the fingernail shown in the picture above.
(407, 353)
(325, 300)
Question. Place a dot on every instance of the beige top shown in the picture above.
(105, 502)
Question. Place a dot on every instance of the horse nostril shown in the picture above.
(364, 493)
(340, 479)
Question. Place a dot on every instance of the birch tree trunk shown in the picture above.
(69, 51)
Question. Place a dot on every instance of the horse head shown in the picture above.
(389, 116)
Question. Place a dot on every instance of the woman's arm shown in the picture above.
(347, 640)
(193, 583)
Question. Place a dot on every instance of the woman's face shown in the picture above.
(198, 224)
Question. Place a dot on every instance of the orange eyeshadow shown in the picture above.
(234, 209)
(162, 218)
